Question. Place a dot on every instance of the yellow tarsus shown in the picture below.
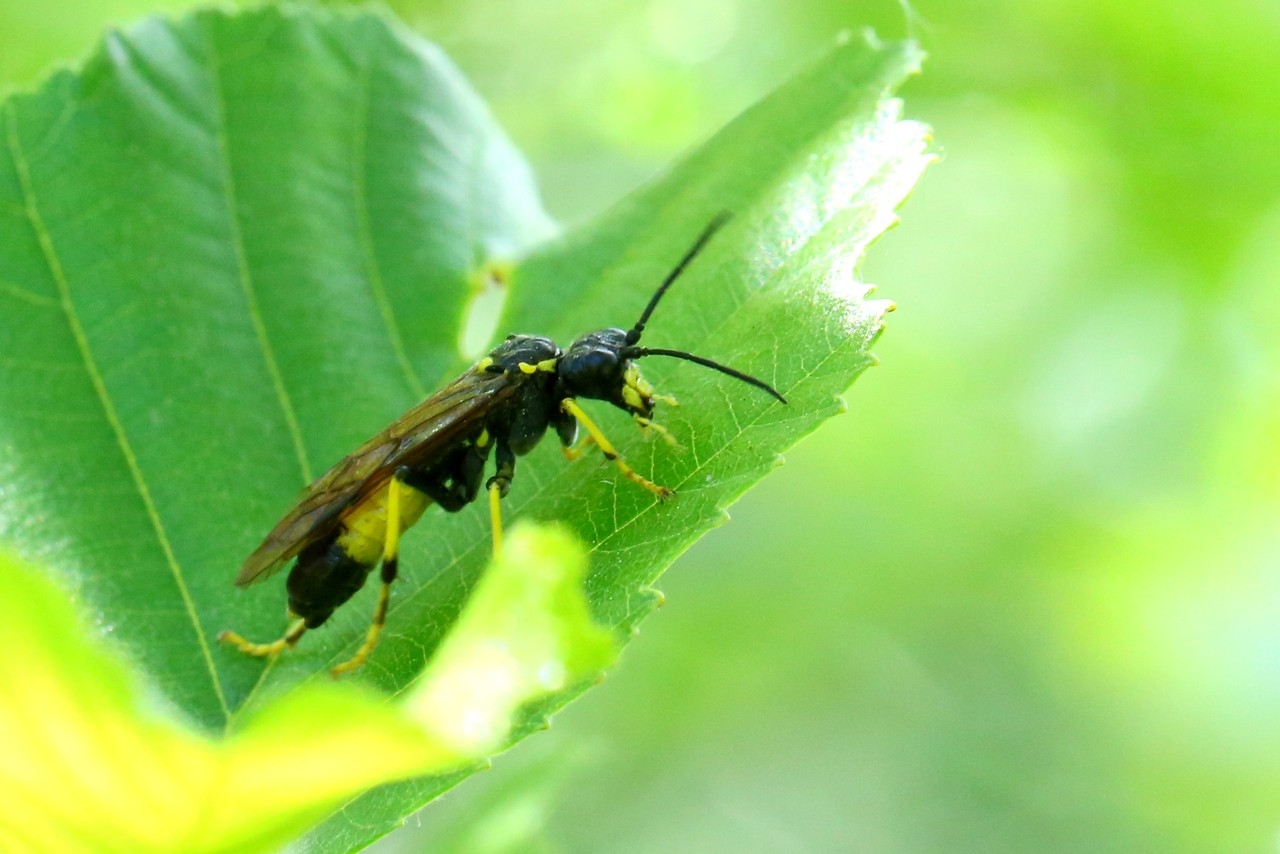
(264, 650)
(357, 661)
(647, 425)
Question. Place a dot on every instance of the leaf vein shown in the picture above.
(59, 276)
(364, 230)
(24, 295)
(242, 263)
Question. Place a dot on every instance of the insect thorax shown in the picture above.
(516, 350)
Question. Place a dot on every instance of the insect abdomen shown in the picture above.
(331, 570)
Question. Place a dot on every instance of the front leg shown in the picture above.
(570, 406)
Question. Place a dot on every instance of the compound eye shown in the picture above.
(599, 363)
(589, 370)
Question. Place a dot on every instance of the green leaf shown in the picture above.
(234, 246)
(88, 767)
(525, 631)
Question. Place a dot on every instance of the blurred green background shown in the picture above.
(1026, 595)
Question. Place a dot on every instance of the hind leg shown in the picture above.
(390, 566)
(265, 650)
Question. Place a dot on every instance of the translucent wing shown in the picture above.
(417, 438)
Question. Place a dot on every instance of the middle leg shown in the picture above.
(498, 486)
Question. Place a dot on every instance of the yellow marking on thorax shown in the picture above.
(365, 528)
(546, 366)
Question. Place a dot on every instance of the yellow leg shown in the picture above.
(357, 661)
(576, 452)
(495, 516)
(610, 453)
(646, 425)
(390, 559)
(265, 650)
(391, 544)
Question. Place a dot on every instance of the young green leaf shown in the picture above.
(88, 767)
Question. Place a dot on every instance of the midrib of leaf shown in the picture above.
(242, 262)
(48, 250)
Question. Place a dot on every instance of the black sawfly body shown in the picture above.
(437, 454)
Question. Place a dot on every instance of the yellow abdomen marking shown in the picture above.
(365, 528)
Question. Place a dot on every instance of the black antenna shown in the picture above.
(630, 351)
(712, 227)
(638, 352)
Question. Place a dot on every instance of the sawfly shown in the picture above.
(437, 452)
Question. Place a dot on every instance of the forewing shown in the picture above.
(426, 431)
